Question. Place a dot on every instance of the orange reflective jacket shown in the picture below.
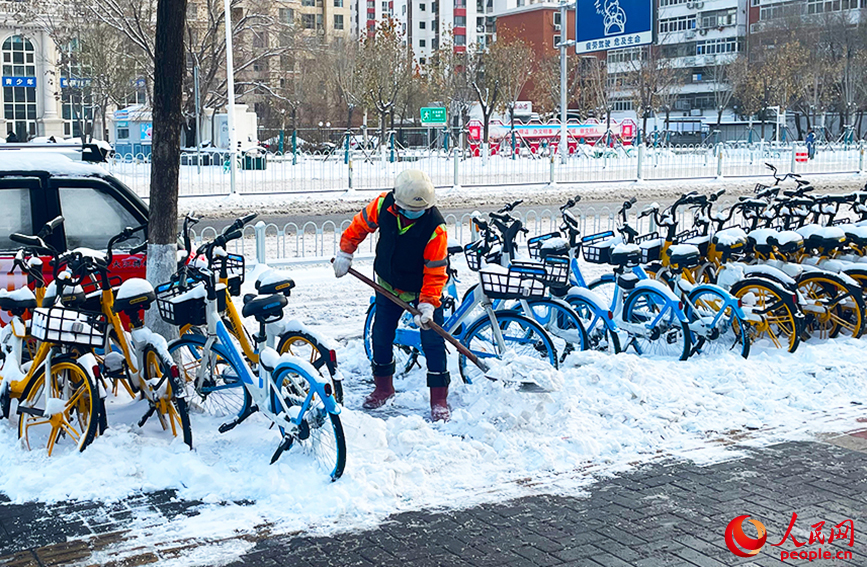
(434, 275)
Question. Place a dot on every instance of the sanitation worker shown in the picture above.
(411, 264)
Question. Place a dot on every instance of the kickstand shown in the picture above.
(284, 446)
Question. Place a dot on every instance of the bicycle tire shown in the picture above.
(222, 395)
(732, 331)
(320, 444)
(665, 331)
(319, 356)
(486, 347)
(836, 306)
(777, 308)
(405, 356)
(82, 407)
(171, 410)
(600, 337)
(605, 287)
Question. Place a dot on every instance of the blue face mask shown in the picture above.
(412, 214)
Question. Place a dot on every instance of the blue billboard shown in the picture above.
(612, 24)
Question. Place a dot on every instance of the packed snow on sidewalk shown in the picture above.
(605, 414)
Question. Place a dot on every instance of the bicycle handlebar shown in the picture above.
(511, 206)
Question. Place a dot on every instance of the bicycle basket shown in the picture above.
(651, 247)
(518, 282)
(185, 305)
(68, 327)
(473, 252)
(597, 247)
(556, 270)
(534, 245)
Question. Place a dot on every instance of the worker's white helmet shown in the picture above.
(414, 191)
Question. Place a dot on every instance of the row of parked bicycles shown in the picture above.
(73, 342)
(773, 269)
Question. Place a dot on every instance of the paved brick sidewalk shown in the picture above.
(661, 514)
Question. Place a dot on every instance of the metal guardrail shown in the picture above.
(291, 244)
(339, 172)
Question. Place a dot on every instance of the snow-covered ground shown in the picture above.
(609, 414)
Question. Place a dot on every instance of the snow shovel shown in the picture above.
(433, 326)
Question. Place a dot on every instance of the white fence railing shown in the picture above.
(312, 242)
(342, 171)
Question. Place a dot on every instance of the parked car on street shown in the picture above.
(35, 187)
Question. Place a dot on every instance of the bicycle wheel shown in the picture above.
(221, 393)
(321, 434)
(724, 331)
(706, 273)
(833, 306)
(594, 318)
(604, 287)
(75, 417)
(666, 335)
(307, 347)
(405, 357)
(780, 320)
(171, 411)
(522, 336)
(560, 320)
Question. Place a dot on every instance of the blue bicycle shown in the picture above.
(287, 390)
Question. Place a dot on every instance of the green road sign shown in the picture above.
(433, 116)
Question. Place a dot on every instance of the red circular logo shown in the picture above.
(740, 543)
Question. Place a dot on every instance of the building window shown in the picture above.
(621, 105)
(460, 40)
(192, 11)
(556, 41)
(716, 46)
(309, 3)
(19, 106)
(719, 19)
(338, 21)
(308, 21)
(624, 55)
(422, 43)
(421, 7)
(338, 3)
(681, 23)
(460, 21)
(422, 25)
(422, 61)
(287, 16)
(556, 18)
(663, 3)
(318, 21)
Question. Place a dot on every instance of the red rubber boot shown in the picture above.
(383, 392)
(439, 407)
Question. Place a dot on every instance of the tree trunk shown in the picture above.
(719, 114)
(169, 67)
(798, 125)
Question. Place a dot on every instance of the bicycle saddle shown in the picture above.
(134, 294)
(274, 281)
(626, 255)
(266, 309)
(683, 255)
(17, 301)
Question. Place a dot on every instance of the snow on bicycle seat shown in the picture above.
(72, 297)
(134, 294)
(733, 237)
(857, 234)
(759, 239)
(17, 301)
(270, 282)
(787, 241)
(557, 246)
(626, 255)
(701, 241)
(268, 308)
(683, 255)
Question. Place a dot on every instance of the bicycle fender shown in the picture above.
(590, 296)
(87, 362)
(663, 289)
(733, 303)
(770, 272)
(289, 363)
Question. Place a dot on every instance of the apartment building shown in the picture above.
(427, 24)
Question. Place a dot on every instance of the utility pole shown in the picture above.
(230, 85)
(564, 104)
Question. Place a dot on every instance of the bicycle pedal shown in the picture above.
(234, 423)
(147, 416)
(284, 446)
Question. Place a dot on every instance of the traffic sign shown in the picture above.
(613, 24)
(433, 116)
